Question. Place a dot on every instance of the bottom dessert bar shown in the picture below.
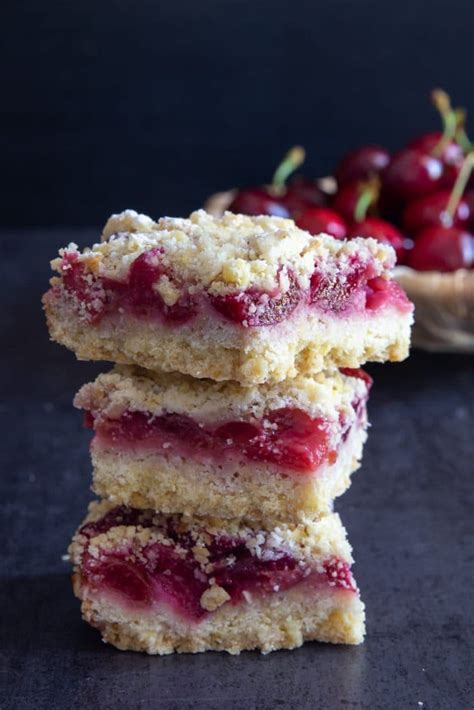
(160, 583)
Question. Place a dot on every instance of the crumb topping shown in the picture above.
(130, 388)
(214, 597)
(224, 255)
(311, 542)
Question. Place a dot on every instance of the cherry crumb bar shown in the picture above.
(251, 299)
(176, 444)
(156, 583)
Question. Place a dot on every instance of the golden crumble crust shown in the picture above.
(224, 254)
(308, 539)
(325, 394)
(284, 621)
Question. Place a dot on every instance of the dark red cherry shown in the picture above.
(346, 199)
(468, 198)
(362, 163)
(321, 219)
(383, 231)
(294, 203)
(307, 190)
(430, 210)
(411, 174)
(258, 200)
(450, 154)
(442, 249)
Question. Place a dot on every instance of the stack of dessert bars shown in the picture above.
(232, 418)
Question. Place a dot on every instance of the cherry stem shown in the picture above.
(291, 162)
(369, 194)
(461, 136)
(442, 103)
(459, 186)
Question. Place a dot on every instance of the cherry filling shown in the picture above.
(257, 308)
(167, 572)
(360, 290)
(152, 291)
(286, 437)
(137, 295)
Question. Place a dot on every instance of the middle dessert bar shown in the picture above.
(175, 444)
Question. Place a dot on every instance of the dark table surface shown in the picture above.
(409, 515)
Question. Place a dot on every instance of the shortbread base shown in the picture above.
(209, 348)
(279, 621)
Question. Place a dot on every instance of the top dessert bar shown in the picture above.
(253, 299)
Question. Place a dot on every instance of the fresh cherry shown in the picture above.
(270, 199)
(430, 210)
(346, 199)
(306, 190)
(321, 219)
(256, 201)
(384, 232)
(468, 198)
(411, 174)
(442, 249)
(444, 144)
(451, 153)
(362, 163)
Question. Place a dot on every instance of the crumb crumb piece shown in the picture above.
(214, 597)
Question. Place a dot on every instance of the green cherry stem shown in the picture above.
(461, 136)
(369, 194)
(291, 162)
(442, 103)
(459, 186)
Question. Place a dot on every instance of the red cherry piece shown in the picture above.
(334, 295)
(127, 579)
(430, 211)
(381, 230)
(362, 163)
(140, 295)
(359, 373)
(256, 201)
(442, 249)
(86, 288)
(411, 174)
(321, 219)
(258, 308)
(239, 433)
(339, 574)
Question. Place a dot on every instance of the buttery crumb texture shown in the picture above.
(328, 394)
(222, 255)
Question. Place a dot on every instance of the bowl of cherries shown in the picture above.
(419, 199)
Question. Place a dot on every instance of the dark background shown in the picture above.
(153, 105)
